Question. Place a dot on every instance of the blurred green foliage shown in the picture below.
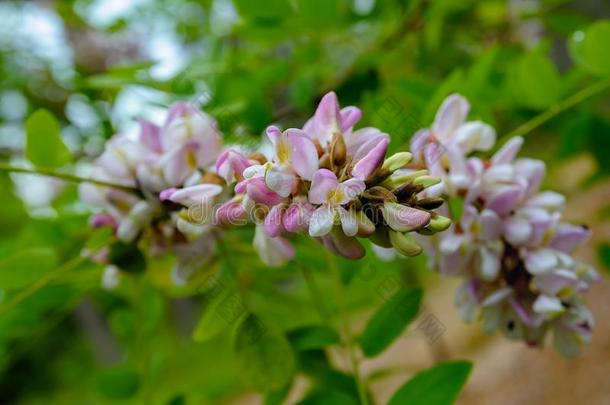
(251, 63)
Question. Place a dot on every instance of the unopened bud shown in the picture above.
(397, 161)
(212, 178)
(366, 227)
(259, 157)
(338, 150)
(379, 194)
(380, 237)
(426, 181)
(439, 223)
(405, 243)
(430, 203)
(397, 181)
(325, 161)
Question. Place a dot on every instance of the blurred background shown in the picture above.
(98, 65)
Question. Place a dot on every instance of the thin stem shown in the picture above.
(41, 283)
(314, 291)
(63, 176)
(347, 339)
(558, 108)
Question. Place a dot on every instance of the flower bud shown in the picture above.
(439, 223)
(397, 181)
(366, 227)
(430, 203)
(338, 150)
(381, 237)
(343, 245)
(426, 181)
(397, 161)
(405, 243)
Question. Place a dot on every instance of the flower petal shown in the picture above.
(567, 236)
(321, 221)
(491, 225)
(490, 264)
(323, 182)
(303, 153)
(297, 216)
(231, 213)
(348, 220)
(548, 306)
(259, 192)
(273, 221)
(272, 251)
(150, 136)
(540, 261)
(366, 166)
(503, 200)
(350, 189)
(196, 194)
(451, 114)
(280, 181)
(403, 218)
(517, 231)
(507, 153)
(475, 135)
(349, 116)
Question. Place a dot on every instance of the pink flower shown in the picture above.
(273, 251)
(255, 187)
(231, 164)
(451, 131)
(330, 119)
(331, 195)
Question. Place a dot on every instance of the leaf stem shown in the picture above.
(314, 291)
(558, 108)
(347, 338)
(63, 176)
(41, 283)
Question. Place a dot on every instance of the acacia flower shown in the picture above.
(509, 241)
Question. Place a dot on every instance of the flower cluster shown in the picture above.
(179, 153)
(327, 180)
(508, 241)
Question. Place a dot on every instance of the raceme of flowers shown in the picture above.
(509, 243)
(335, 183)
(327, 180)
(181, 152)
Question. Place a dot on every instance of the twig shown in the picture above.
(347, 339)
(64, 176)
(41, 283)
(557, 108)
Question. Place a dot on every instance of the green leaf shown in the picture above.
(25, 267)
(119, 382)
(216, 316)
(44, 146)
(537, 82)
(264, 355)
(313, 337)
(589, 48)
(439, 385)
(127, 257)
(390, 321)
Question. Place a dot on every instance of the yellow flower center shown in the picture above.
(335, 196)
(283, 150)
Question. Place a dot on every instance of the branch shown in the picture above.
(557, 109)
(64, 176)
